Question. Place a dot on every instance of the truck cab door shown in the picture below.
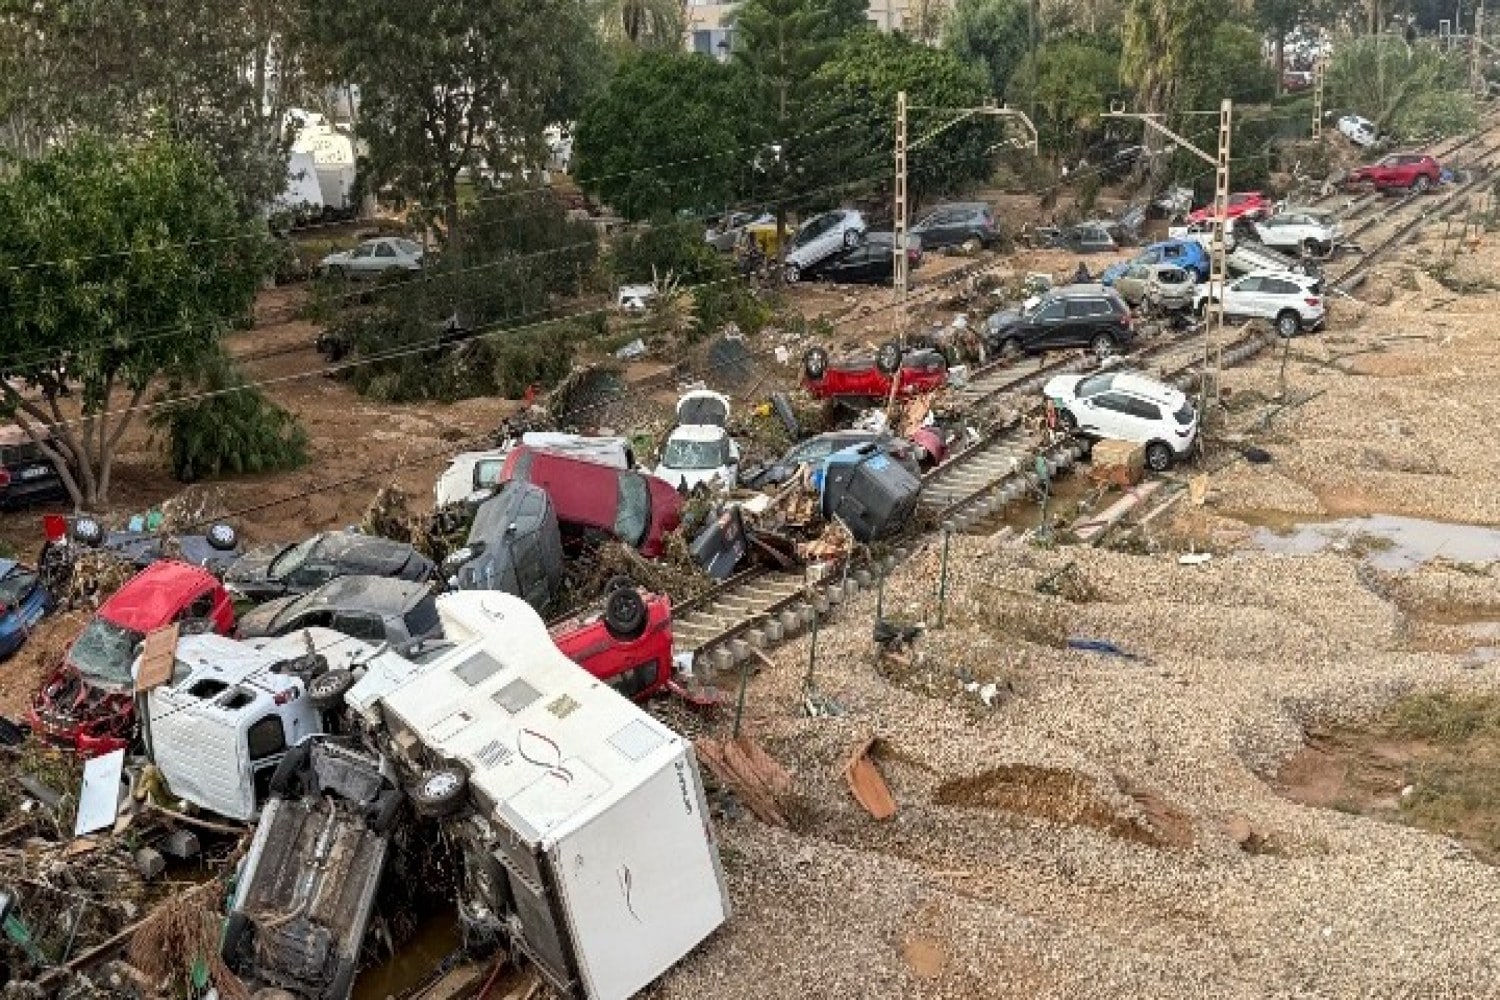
(265, 745)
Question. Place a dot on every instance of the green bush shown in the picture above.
(216, 424)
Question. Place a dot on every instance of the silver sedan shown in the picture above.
(372, 258)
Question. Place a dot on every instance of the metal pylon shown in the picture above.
(1212, 344)
(1317, 119)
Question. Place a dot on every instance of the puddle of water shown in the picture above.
(436, 938)
(1385, 541)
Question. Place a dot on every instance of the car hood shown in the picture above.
(261, 620)
(1062, 387)
(1005, 319)
(335, 258)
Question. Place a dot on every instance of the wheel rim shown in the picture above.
(1158, 459)
(1103, 347)
(440, 785)
(1288, 326)
(792, 274)
(326, 686)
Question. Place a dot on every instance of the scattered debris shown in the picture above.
(742, 765)
(866, 782)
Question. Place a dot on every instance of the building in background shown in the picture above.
(710, 31)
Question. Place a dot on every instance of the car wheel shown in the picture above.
(1010, 349)
(1288, 323)
(624, 615)
(1103, 346)
(972, 245)
(1067, 421)
(337, 273)
(222, 537)
(1158, 456)
(327, 690)
(851, 238)
(1421, 184)
(440, 792)
(791, 273)
(815, 363)
(87, 531)
(888, 358)
(1312, 248)
(620, 582)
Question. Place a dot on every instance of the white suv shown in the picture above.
(1127, 406)
(1299, 230)
(1293, 302)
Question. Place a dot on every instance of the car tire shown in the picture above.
(1159, 456)
(1067, 421)
(286, 780)
(1421, 184)
(625, 615)
(888, 358)
(619, 582)
(1010, 349)
(1103, 346)
(440, 792)
(851, 239)
(89, 532)
(222, 537)
(972, 245)
(327, 690)
(336, 273)
(791, 273)
(1288, 324)
(234, 932)
(815, 363)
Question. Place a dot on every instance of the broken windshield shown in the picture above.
(681, 454)
(104, 652)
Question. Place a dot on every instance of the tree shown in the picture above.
(781, 44)
(117, 263)
(454, 88)
(1069, 83)
(1408, 90)
(1161, 38)
(664, 135)
(641, 24)
(991, 34)
(1230, 66)
(219, 75)
(862, 80)
(1278, 19)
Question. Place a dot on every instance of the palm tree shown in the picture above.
(656, 24)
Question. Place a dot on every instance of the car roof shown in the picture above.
(381, 556)
(1079, 290)
(1144, 385)
(1271, 272)
(149, 599)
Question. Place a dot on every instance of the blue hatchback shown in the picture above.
(1186, 254)
(23, 602)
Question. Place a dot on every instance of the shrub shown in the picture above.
(216, 424)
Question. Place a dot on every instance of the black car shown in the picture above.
(872, 262)
(1091, 316)
(273, 571)
(1088, 237)
(26, 475)
(141, 543)
(514, 545)
(820, 446)
(372, 608)
(958, 224)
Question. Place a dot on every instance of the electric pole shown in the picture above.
(1476, 68)
(1220, 163)
(1317, 119)
(900, 275)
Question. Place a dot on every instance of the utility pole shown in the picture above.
(1476, 68)
(903, 208)
(1220, 163)
(1317, 119)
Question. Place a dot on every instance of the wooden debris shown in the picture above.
(751, 773)
(867, 783)
(1120, 463)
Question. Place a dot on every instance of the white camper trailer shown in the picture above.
(587, 842)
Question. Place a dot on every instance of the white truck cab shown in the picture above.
(231, 710)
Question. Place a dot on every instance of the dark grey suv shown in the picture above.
(1091, 316)
(958, 224)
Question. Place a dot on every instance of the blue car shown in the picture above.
(23, 602)
(1186, 254)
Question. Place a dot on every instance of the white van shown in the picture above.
(474, 472)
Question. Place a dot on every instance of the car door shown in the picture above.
(1240, 298)
(1132, 284)
(362, 259)
(1048, 324)
(385, 258)
(1276, 295)
(1077, 328)
(1102, 416)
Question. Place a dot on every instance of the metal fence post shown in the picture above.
(943, 576)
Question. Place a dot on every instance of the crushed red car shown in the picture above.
(597, 500)
(88, 704)
(627, 645)
(868, 377)
(1412, 171)
(1246, 204)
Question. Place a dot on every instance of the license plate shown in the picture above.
(35, 472)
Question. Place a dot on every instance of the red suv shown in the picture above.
(1241, 204)
(89, 702)
(628, 645)
(868, 377)
(1413, 171)
(590, 498)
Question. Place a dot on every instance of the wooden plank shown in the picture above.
(158, 657)
(867, 783)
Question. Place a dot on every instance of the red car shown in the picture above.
(867, 377)
(1412, 171)
(88, 703)
(594, 499)
(1246, 204)
(628, 645)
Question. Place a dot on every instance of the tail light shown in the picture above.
(54, 526)
(1313, 302)
(4, 478)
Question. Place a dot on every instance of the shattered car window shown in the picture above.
(634, 512)
(292, 559)
(680, 454)
(15, 587)
(104, 652)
